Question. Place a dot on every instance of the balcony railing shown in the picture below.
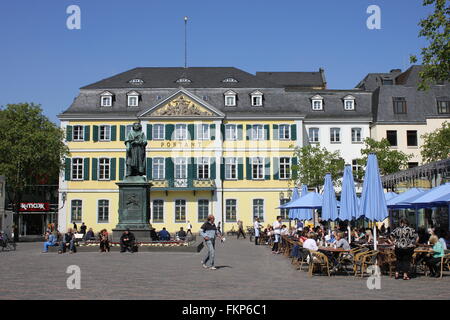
(183, 184)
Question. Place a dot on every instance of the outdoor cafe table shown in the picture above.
(335, 252)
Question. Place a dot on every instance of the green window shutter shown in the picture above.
(248, 168)
(122, 133)
(222, 131)
(276, 133)
(276, 169)
(121, 168)
(67, 169)
(169, 169)
(113, 133)
(196, 128)
(86, 168)
(192, 169)
(94, 168)
(239, 130)
(248, 132)
(267, 131)
(212, 131)
(87, 135)
(69, 133)
(149, 169)
(95, 133)
(267, 168)
(149, 132)
(112, 173)
(191, 130)
(169, 131)
(240, 168)
(293, 132)
(212, 168)
(294, 162)
(222, 169)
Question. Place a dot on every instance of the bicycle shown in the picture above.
(7, 244)
(251, 233)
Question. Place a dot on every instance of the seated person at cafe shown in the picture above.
(310, 243)
(164, 235)
(341, 242)
(434, 260)
(331, 239)
(89, 235)
(181, 234)
(284, 230)
(127, 242)
(68, 239)
(424, 236)
(51, 241)
(442, 234)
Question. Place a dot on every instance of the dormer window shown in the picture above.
(317, 103)
(136, 81)
(183, 80)
(349, 103)
(230, 80)
(106, 99)
(133, 99)
(230, 98)
(257, 98)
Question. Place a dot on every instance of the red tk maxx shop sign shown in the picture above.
(34, 206)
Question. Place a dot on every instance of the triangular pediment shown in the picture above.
(182, 104)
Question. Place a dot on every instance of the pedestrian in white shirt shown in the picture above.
(277, 232)
(257, 227)
(189, 228)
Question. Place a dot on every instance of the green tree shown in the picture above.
(436, 145)
(389, 161)
(31, 148)
(435, 57)
(314, 163)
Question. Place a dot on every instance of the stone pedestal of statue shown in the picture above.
(134, 208)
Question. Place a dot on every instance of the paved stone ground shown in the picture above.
(245, 271)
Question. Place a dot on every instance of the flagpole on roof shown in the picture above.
(185, 41)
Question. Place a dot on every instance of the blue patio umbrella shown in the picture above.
(402, 200)
(329, 206)
(348, 210)
(312, 200)
(305, 214)
(434, 196)
(293, 213)
(373, 202)
(390, 195)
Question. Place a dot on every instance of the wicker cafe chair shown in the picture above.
(357, 258)
(304, 257)
(318, 259)
(367, 259)
(445, 262)
(390, 262)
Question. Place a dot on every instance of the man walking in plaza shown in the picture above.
(189, 228)
(257, 227)
(277, 232)
(209, 232)
(240, 229)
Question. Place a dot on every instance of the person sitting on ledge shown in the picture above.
(127, 241)
(182, 234)
(68, 240)
(51, 241)
(153, 234)
(164, 235)
(89, 235)
(104, 241)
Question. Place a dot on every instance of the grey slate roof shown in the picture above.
(294, 79)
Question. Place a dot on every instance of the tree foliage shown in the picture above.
(436, 144)
(31, 147)
(389, 161)
(314, 163)
(435, 57)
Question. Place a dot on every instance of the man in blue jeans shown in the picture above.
(209, 232)
(51, 242)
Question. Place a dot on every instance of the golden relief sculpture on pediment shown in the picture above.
(182, 106)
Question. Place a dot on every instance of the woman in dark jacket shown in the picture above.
(104, 241)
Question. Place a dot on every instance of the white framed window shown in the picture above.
(256, 98)
(76, 210)
(77, 169)
(78, 133)
(104, 133)
(103, 211)
(158, 210)
(258, 132)
(335, 135)
(356, 135)
(158, 169)
(180, 168)
(230, 168)
(349, 104)
(357, 169)
(106, 99)
(133, 100)
(180, 210)
(104, 168)
(258, 209)
(203, 210)
(313, 134)
(158, 132)
(285, 168)
(203, 168)
(128, 128)
(231, 132)
(203, 132)
(230, 98)
(317, 103)
(181, 132)
(257, 168)
(231, 210)
(284, 132)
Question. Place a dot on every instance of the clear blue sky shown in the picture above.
(42, 61)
